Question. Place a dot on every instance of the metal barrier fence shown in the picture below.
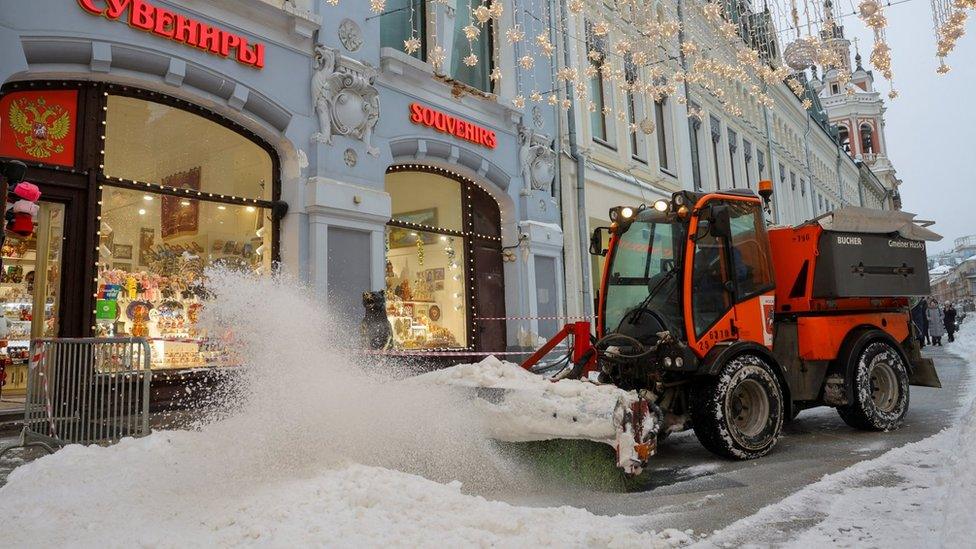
(86, 391)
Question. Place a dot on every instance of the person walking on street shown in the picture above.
(936, 327)
(920, 323)
(924, 304)
(949, 319)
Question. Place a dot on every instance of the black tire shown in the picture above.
(880, 388)
(739, 413)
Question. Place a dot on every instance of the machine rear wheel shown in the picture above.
(880, 395)
(739, 413)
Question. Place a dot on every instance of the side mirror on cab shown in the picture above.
(596, 242)
(720, 225)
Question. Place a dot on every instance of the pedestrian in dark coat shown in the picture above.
(936, 327)
(921, 323)
(949, 319)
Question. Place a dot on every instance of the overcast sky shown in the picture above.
(931, 126)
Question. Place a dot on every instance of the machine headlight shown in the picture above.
(661, 205)
(679, 362)
(627, 212)
(667, 362)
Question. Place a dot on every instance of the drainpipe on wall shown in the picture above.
(557, 143)
(772, 159)
(860, 188)
(574, 153)
(840, 180)
(806, 151)
(684, 67)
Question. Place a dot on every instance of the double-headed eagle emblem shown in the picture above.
(40, 127)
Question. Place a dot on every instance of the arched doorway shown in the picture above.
(443, 261)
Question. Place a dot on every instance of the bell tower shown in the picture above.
(833, 34)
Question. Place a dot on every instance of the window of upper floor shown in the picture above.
(600, 97)
(467, 47)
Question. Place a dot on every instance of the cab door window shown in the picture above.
(750, 251)
(710, 276)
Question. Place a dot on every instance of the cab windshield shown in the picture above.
(646, 263)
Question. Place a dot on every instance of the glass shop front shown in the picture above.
(140, 194)
(443, 262)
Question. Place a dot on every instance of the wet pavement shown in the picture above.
(694, 489)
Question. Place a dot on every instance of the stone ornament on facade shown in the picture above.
(350, 35)
(350, 158)
(537, 161)
(537, 116)
(346, 101)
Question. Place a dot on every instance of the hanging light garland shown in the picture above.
(872, 14)
(949, 18)
(640, 53)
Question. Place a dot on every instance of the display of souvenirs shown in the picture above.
(164, 309)
(18, 354)
(413, 326)
(183, 260)
(12, 274)
(15, 249)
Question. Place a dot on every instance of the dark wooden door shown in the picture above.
(490, 295)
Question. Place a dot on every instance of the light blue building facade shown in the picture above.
(420, 174)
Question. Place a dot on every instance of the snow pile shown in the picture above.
(160, 492)
(521, 406)
(301, 451)
(919, 495)
(960, 526)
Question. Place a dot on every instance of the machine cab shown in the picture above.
(698, 264)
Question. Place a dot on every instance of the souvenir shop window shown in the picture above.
(154, 249)
(426, 301)
(426, 199)
(159, 144)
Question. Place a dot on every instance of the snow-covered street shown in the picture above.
(919, 495)
(411, 464)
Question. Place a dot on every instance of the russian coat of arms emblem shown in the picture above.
(40, 126)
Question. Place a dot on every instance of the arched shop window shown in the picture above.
(182, 193)
(164, 189)
(443, 262)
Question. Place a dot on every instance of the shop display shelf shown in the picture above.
(12, 258)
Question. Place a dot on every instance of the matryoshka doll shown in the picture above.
(140, 321)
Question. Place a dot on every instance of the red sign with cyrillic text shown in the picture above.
(445, 123)
(162, 22)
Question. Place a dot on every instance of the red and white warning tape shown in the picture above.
(35, 362)
(420, 353)
(182, 340)
(577, 318)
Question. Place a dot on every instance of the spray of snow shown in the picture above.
(306, 448)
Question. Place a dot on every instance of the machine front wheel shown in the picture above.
(739, 413)
(880, 391)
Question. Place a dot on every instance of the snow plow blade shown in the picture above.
(570, 421)
(924, 374)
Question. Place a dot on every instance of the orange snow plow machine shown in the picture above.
(724, 326)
